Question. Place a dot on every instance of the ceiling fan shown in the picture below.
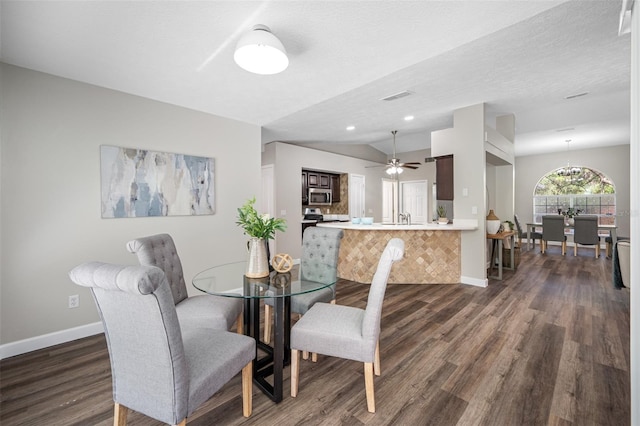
(395, 166)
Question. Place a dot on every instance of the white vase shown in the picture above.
(493, 223)
(257, 262)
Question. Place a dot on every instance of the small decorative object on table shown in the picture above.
(260, 228)
(493, 223)
(442, 215)
(569, 215)
(282, 262)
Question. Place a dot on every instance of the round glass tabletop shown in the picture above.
(229, 281)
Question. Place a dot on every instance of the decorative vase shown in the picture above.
(257, 262)
(571, 222)
(493, 223)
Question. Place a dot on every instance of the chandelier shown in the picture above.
(569, 170)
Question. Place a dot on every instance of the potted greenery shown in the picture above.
(261, 228)
(442, 214)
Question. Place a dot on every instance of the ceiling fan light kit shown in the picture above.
(261, 52)
(395, 167)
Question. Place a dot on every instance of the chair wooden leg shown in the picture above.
(575, 249)
(542, 246)
(597, 250)
(182, 423)
(607, 250)
(295, 371)
(376, 360)
(368, 387)
(247, 389)
(314, 357)
(267, 324)
(120, 415)
(240, 324)
(305, 354)
(564, 248)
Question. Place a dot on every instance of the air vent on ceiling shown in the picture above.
(396, 96)
(577, 95)
(429, 159)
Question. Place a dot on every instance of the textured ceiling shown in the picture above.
(520, 57)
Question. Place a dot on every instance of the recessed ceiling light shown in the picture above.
(408, 118)
(351, 128)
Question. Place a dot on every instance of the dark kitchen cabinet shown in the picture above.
(318, 180)
(305, 188)
(335, 188)
(444, 177)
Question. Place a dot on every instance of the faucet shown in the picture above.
(401, 218)
(408, 217)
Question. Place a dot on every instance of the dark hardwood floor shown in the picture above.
(548, 345)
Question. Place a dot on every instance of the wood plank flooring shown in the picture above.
(548, 345)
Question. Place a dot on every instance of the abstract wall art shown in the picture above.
(143, 183)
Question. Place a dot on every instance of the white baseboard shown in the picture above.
(39, 342)
(474, 281)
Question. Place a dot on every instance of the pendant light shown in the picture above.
(569, 171)
(260, 52)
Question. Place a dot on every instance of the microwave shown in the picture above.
(319, 197)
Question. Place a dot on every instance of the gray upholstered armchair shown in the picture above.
(220, 313)
(345, 331)
(159, 368)
(318, 262)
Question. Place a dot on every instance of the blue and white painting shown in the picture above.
(142, 183)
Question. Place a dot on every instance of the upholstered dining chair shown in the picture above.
(553, 230)
(522, 233)
(318, 262)
(159, 367)
(345, 331)
(220, 313)
(585, 232)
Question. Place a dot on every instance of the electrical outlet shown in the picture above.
(74, 301)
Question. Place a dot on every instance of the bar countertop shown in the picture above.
(457, 225)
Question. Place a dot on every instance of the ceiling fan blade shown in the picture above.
(412, 164)
(379, 165)
(409, 167)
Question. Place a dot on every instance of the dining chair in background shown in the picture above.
(318, 262)
(345, 331)
(217, 312)
(553, 230)
(585, 232)
(160, 367)
(523, 233)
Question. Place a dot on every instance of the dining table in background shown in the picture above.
(531, 227)
(229, 280)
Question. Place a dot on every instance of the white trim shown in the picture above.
(474, 281)
(39, 342)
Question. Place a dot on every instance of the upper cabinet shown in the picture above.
(444, 177)
(335, 188)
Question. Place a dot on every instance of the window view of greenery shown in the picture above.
(584, 191)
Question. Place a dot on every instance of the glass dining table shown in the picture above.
(228, 280)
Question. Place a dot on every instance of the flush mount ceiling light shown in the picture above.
(260, 52)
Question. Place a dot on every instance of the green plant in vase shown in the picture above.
(261, 228)
(442, 214)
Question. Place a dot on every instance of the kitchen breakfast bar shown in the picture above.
(432, 251)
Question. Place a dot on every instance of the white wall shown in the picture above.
(50, 192)
(289, 160)
(612, 161)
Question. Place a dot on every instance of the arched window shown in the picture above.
(578, 190)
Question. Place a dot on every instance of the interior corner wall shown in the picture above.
(612, 161)
(470, 172)
(51, 131)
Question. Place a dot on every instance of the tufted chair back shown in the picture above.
(160, 250)
(320, 248)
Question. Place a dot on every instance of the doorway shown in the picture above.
(414, 199)
(356, 196)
